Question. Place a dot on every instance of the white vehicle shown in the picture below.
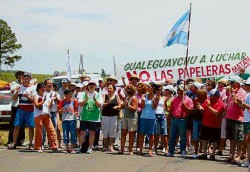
(5, 106)
(75, 78)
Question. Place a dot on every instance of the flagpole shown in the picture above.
(114, 65)
(186, 59)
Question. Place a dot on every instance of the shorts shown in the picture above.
(147, 126)
(246, 128)
(196, 129)
(24, 118)
(161, 124)
(88, 125)
(223, 133)
(234, 130)
(130, 124)
(109, 126)
(210, 134)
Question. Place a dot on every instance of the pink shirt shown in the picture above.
(139, 97)
(234, 111)
(177, 110)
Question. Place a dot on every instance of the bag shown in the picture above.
(85, 144)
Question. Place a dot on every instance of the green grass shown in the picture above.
(5, 133)
(10, 76)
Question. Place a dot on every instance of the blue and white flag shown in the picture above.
(179, 33)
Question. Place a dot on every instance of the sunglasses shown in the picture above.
(26, 76)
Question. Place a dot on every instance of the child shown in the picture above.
(69, 109)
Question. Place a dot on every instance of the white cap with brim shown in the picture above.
(197, 85)
(169, 87)
(235, 79)
(64, 80)
(79, 85)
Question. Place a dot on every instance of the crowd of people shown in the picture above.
(196, 117)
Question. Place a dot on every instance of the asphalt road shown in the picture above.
(23, 159)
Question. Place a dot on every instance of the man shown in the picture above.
(14, 104)
(25, 111)
(179, 112)
(84, 78)
(222, 90)
(246, 106)
(64, 87)
(213, 109)
(243, 75)
(91, 103)
(235, 118)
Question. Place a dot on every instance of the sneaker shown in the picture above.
(219, 153)
(89, 150)
(245, 164)
(212, 157)
(116, 147)
(12, 146)
(40, 151)
(73, 152)
(146, 145)
(203, 156)
(183, 154)
(169, 155)
(194, 156)
(163, 150)
(79, 150)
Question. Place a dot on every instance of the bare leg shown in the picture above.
(123, 139)
(31, 135)
(131, 141)
(151, 142)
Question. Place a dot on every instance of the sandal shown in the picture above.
(31, 147)
(12, 146)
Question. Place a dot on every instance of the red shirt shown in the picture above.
(177, 110)
(209, 119)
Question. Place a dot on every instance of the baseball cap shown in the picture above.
(214, 92)
(64, 80)
(197, 85)
(27, 74)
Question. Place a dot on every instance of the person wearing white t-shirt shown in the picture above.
(25, 111)
(42, 104)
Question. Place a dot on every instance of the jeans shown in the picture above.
(69, 127)
(54, 122)
(178, 126)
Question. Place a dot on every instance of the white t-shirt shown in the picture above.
(31, 91)
(50, 95)
(160, 107)
(44, 109)
(14, 85)
(246, 112)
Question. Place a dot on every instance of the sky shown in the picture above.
(129, 30)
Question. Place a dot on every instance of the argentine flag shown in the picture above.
(179, 33)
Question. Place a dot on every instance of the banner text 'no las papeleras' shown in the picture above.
(198, 66)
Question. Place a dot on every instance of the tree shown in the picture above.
(8, 45)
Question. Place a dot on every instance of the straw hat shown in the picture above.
(134, 76)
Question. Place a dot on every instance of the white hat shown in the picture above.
(235, 79)
(197, 85)
(169, 87)
(79, 85)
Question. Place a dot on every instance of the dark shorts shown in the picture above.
(87, 125)
(234, 130)
(246, 128)
(210, 134)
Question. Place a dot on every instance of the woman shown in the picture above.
(129, 123)
(169, 96)
(141, 90)
(110, 112)
(161, 123)
(197, 120)
(147, 120)
(42, 118)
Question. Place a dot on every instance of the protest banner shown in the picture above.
(203, 66)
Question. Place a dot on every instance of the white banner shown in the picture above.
(203, 66)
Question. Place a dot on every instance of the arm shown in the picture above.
(98, 102)
(134, 104)
(156, 100)
(215, 112)
(36, 103)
